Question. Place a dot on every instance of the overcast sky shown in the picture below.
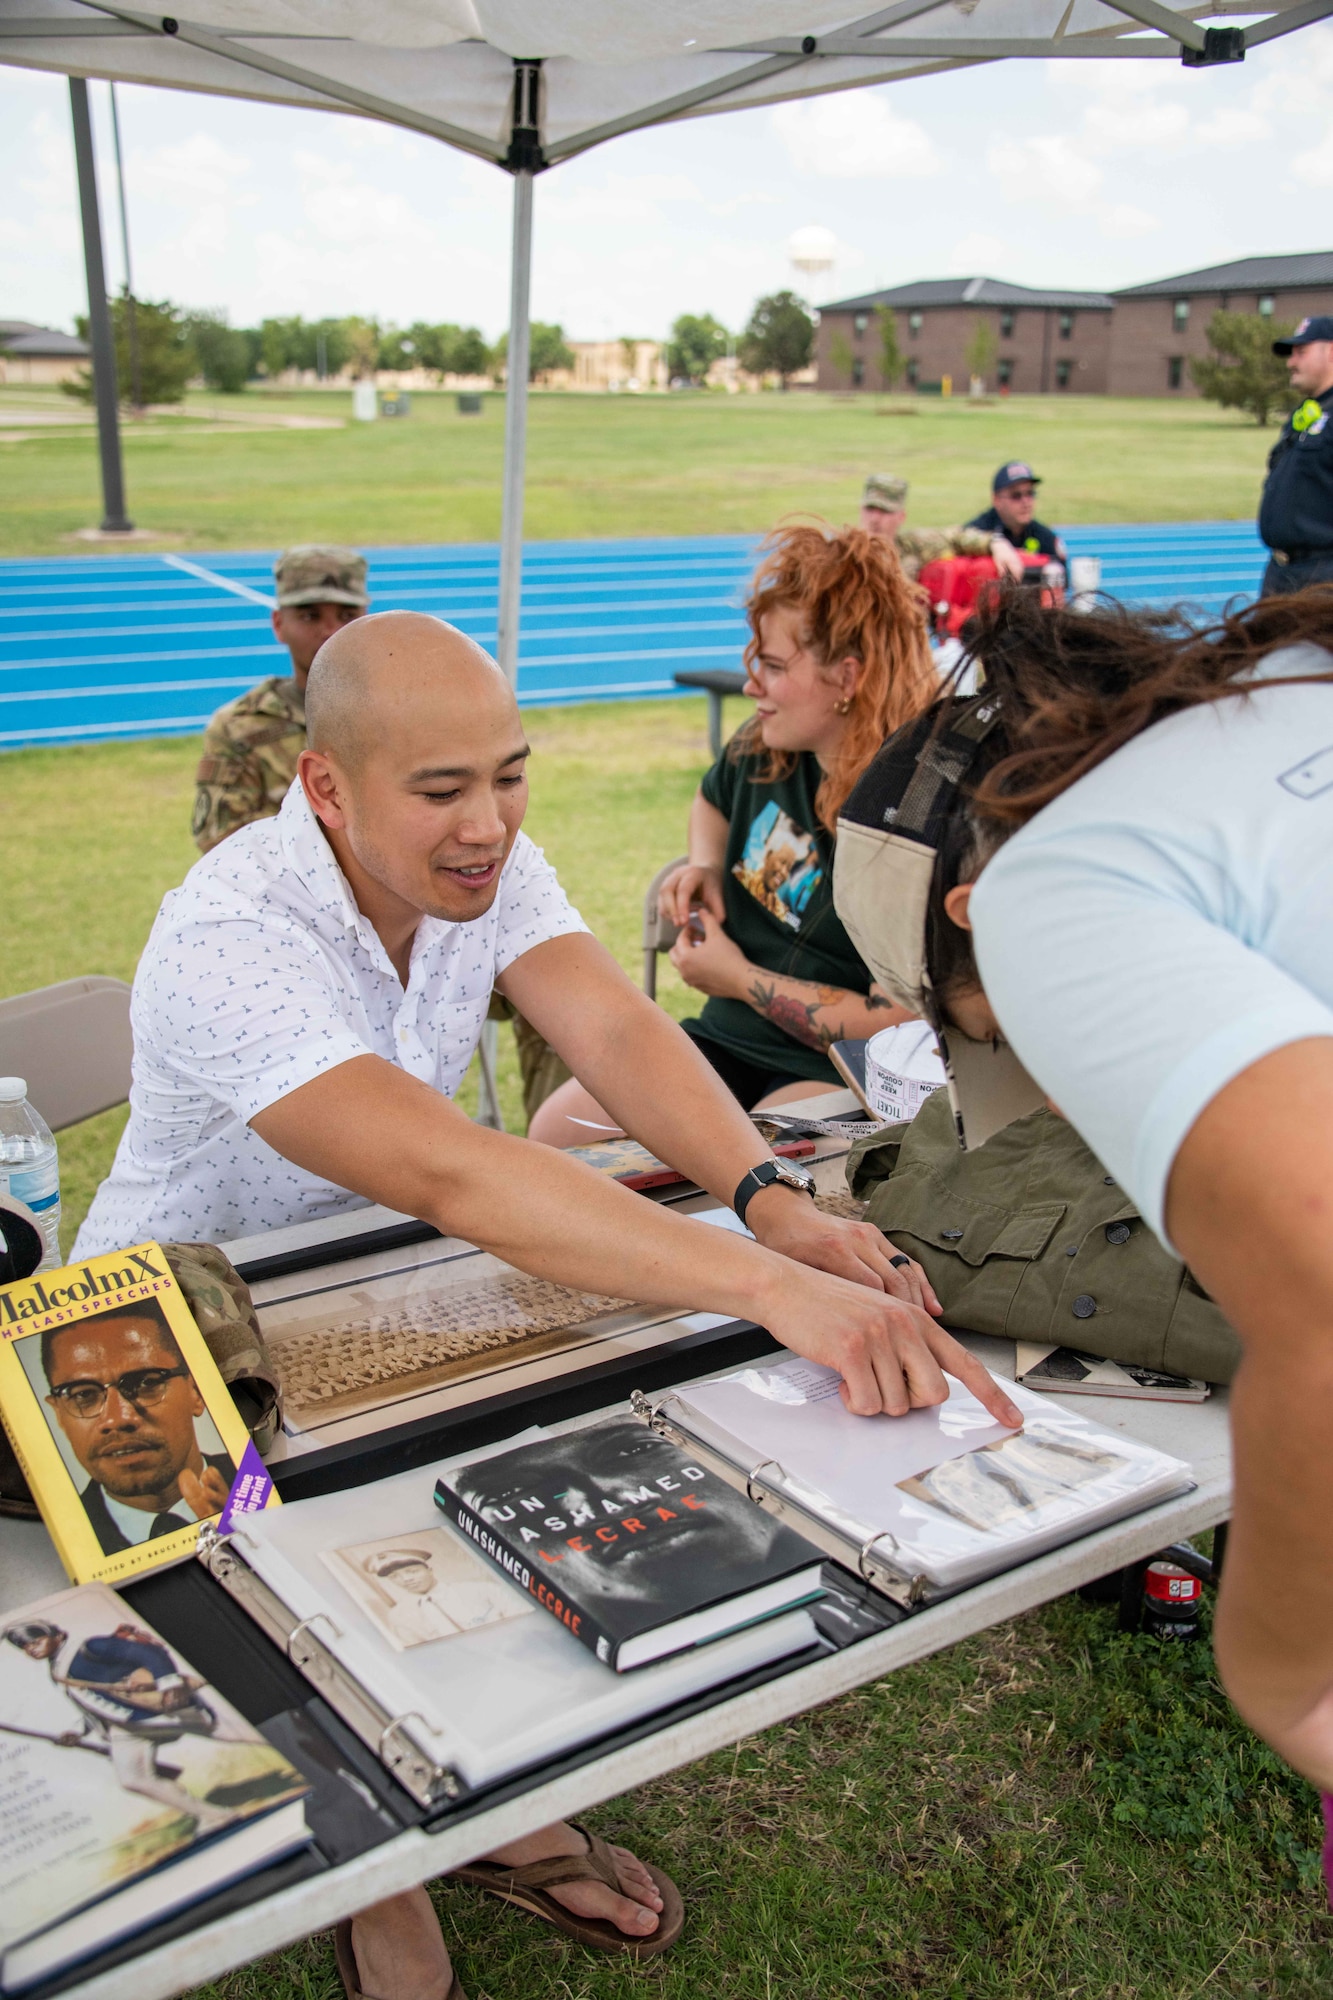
(1077, 173)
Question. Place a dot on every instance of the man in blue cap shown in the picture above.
(1296, 511)
(1011, 521)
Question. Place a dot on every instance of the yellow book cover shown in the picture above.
(123, 1426)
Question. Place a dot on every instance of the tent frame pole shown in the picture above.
(115, 521)
(516, 428)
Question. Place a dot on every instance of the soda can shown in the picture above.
(1171, 1601)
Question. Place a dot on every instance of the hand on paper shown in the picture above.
(205, 1492)
(891, 1355)
(785, 1220)
(692, 883)
(713, 964)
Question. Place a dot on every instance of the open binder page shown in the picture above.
(510, 1687)
(948, 1493)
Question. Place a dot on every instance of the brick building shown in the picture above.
(1157, 329)
(1135, 342)
(1039, 341)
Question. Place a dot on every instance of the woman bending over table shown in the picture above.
(838, 659)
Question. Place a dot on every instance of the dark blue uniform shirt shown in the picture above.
(1296, 511)
(1036, 539)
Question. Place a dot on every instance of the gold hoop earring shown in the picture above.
(844, 706)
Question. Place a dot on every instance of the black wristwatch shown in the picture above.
(764, 1176)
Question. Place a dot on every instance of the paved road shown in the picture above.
(98, 647)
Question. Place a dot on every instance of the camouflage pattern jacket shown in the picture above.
(918, 546)
(250, 752)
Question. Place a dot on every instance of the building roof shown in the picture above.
(1244, 274)
(969, 292)
(20, 336)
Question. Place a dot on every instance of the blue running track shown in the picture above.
(99, 647)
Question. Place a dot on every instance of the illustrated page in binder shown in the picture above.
(423, 1624)
(960, 1495)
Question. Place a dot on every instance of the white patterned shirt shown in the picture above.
(261, 974)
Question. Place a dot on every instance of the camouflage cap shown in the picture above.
(313, 574)
(884, 491)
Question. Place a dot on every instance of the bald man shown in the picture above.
(309, 1001)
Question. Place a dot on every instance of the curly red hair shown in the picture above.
(852, 598)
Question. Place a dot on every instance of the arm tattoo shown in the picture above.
(797, 1017)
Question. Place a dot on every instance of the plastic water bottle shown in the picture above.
(29, 1167)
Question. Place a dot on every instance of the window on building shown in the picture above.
(1175, 372)
(1063, 371)
(912, 367)
(1266, 306)
(1180, 315)
(1006, 326)
(860, 323)
(1066, 326)
(914, 323)
(858, 372)
(1004, 373)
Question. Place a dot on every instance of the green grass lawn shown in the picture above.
(1047, 1810)
(616, 465)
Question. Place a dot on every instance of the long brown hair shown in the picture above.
(852, 598)
(1079, 685)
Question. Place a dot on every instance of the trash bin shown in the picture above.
(365, 403)
(469, 402)
(396, 405)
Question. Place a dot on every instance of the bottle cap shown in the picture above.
(13, 1089)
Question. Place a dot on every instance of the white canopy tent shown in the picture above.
(529, 83)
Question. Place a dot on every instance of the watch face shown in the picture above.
(794, 1176)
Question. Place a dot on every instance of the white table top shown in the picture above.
(1197, 1433)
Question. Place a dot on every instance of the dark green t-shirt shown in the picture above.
(777, 883)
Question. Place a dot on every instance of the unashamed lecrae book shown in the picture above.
(121, 1422)
(635, 1548)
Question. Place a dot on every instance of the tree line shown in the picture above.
(161, 348)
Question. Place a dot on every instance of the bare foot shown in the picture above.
(635, 1911)
(399, 1950)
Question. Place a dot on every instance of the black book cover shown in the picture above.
(618, 1534)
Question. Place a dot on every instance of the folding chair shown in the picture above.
(658, 933)
(72, 1043)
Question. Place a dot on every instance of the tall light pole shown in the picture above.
(131, 309)
(115, 521)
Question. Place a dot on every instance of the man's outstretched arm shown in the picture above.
(657, 1086)
(368, 1126)
(1250, 1208)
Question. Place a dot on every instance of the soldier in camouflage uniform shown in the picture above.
(884, 512)
(251, 746)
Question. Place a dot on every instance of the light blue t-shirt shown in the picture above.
(1168, 920)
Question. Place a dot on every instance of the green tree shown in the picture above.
(1242, 372)
(225, 352)
(281, 343)
(779, 337)
(697, 341)
(166, 353)
(981, 348)
(891, 363)
(547, 351)
(469, 353)
(840, 354)
(363, 344)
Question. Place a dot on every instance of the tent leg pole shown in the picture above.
(115, 521)
(516, 429)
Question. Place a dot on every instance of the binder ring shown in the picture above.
(751, 1477)
(864, 1561)
(305, 1624)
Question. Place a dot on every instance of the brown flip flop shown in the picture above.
(527, 1887)
(349, 1972)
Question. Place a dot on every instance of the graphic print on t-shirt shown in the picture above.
(780, 866)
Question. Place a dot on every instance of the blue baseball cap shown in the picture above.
(1016, 474)
(1320, 327)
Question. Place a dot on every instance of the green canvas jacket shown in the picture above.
(1029, 1238)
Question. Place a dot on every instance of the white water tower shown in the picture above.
(812, 250)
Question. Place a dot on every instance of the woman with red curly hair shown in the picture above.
(837, 660)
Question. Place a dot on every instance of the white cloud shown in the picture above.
(1122, 219)
(1144, 125)
(854, 135)
(1047, 171)
(978, 255)
(198, 169)
(1314, 167)
(1232, 125)
(627, 198)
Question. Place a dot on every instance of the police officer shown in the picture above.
(884, 512)
(1296, 511)
(1010, 521)
(251, 746)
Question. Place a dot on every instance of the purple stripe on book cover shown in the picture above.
(249, 1490)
